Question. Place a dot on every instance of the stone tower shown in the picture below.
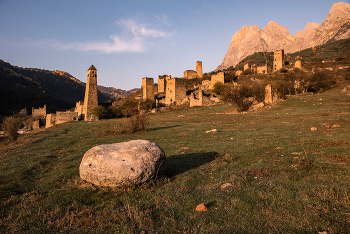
(148, 89)
(278, 60)
(199, 69)
(90, 99)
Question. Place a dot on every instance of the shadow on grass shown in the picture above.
(167, 127)
(181, 163)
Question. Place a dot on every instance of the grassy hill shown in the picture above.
(261, 172)
(31, 87)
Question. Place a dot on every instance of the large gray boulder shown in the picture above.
(132, 162)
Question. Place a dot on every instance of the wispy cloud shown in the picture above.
(134, 38)
(162, 18)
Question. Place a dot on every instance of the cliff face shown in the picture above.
(275, 37)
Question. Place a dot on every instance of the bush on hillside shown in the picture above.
(136, 123)
(238, 95)
(10, 126)
(320, 81)
(219, 88)
(98, 111)
(148, 105)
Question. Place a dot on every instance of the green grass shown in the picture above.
(285, 178)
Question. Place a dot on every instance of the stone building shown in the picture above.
(60, 117)
(246, 67)
(278, 60)
(148, 89)
(40, 112)
(199, 69)
(162, 83)
(91, 97)
(262, 69)
(298, 64)
(79, 108)
(198, 73)
(175, 91)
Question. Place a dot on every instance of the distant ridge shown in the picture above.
(273, 37)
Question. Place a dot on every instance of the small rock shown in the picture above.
(226, 185)
(313, 129)
(202, 207)
(336, 126)
(279, 148)
(297, 153)
(185, 148)
(213, 130)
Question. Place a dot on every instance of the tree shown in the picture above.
(98, 111)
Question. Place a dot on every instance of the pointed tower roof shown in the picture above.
(92, 68)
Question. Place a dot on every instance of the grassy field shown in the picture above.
(280, 176)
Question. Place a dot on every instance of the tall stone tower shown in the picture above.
(278, 60)
(199, 69)
(90, 99)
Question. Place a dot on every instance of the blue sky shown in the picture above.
(129, 40)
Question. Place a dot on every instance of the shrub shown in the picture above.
(283, 70)
(219, 88)
(239, 96)
(258, 91)
(136, 123)
(98, 111)
(10, 126)
(319, 82)
(148, 105)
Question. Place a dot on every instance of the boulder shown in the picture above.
(132, 162)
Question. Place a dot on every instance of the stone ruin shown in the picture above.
(82, 110)
(198, 73)
(278, 60)
(91, 97)
(298, 64)
(175, 91)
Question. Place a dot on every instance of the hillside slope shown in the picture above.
(31, 87)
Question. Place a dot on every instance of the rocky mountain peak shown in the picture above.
(274, 37)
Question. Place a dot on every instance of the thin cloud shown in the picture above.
(134, 39)
(142, 29)
(163, 18)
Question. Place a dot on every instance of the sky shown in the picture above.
(129, 40)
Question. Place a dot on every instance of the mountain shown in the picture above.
(31, 87)
(114, 93)
(273, 37)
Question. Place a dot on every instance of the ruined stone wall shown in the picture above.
(79, 108)
(162, 83)
(196, 98)
(40, 112)
(219, 77)
(268, 94)
(147, 86)
(298, 64)
(246, 66)
(50, 120)
(261, 69)
(91, 98)
(175, 91)
(190, 74)
(278, 60)
(65, 116)
(199, 69)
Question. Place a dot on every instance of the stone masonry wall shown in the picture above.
(147, 86)
(278, 60)
(261, 69)
(190, 74)
(199, 69)
(91, 98)
(162, 83)
(175, 91)
(39, 112)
